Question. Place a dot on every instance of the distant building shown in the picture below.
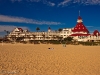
(20, 33)
(79, 33)
(66, 32)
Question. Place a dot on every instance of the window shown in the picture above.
(67, 32)
(64, 32)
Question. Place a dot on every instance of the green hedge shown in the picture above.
(89, 43)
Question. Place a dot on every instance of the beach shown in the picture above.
(49, 59)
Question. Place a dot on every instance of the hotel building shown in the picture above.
(79, 33)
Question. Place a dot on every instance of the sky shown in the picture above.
(30, 14)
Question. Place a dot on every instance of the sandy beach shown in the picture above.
(30, 59)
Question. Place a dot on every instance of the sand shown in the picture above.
(30, 59)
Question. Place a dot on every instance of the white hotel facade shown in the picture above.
(79, 33)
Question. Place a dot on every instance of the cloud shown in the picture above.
(65, 2)
(80, 2)
(43, 1)
(26, 0)
(16, 0)
(4, 18)
(48, 3)
(33, 0)
(51, 4)
(10, 27)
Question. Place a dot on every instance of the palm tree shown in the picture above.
(5, 37)
(37, 29)
(59, 29)
(7, 32)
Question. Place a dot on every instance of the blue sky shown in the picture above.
(29, 14)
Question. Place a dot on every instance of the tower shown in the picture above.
(49, 29)
(80, 26)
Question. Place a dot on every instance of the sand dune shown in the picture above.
(30, 59)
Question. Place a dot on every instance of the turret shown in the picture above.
(49, 29)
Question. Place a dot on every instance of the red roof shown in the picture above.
(79, 17)
(80, 27)
(20, 29)
(79, 34)
(96, 32)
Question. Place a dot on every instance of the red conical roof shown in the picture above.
(80, 26)
(20, 29)
(96, 32)
(79, 17)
